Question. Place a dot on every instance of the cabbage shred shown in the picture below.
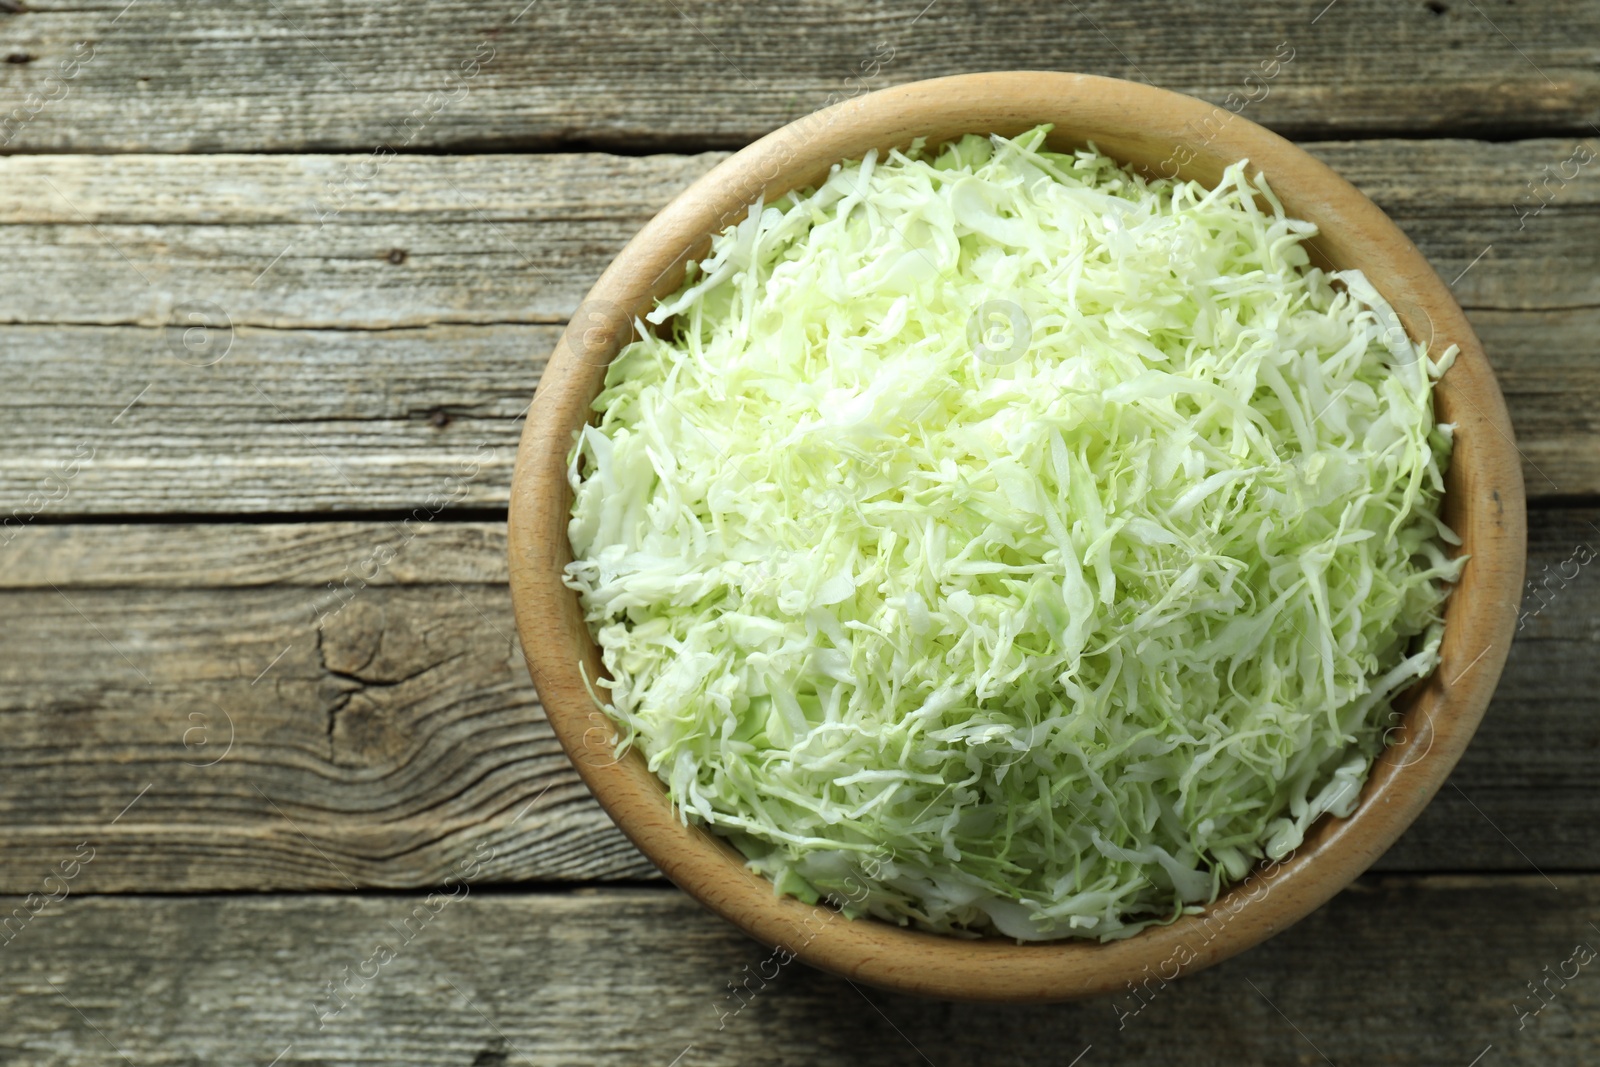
(1052, 635)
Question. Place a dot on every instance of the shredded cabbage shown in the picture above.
(1009, 543)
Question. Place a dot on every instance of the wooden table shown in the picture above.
(278, 280)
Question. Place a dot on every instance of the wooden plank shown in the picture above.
(318, 402)
(110, 420)
(380, 742)
(293, 75)
(1551, 382)
(238, 555)
(1381, 975)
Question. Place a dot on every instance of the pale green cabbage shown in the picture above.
(1045, 620)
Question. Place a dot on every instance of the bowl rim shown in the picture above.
(1158, 130)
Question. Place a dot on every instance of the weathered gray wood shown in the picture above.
(372, 745)
(1382, 974)
(292, 75)
(109, 420)
(233, 555)
(1546, 368)
(405, 731)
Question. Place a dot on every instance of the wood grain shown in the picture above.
(110, 420)
(372, 743)
(296, 75)
(408, 732)
(1379, 976)
(241, 555)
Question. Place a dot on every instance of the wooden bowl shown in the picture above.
(1159, 131)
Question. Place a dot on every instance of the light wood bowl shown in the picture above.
(1143, 126)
